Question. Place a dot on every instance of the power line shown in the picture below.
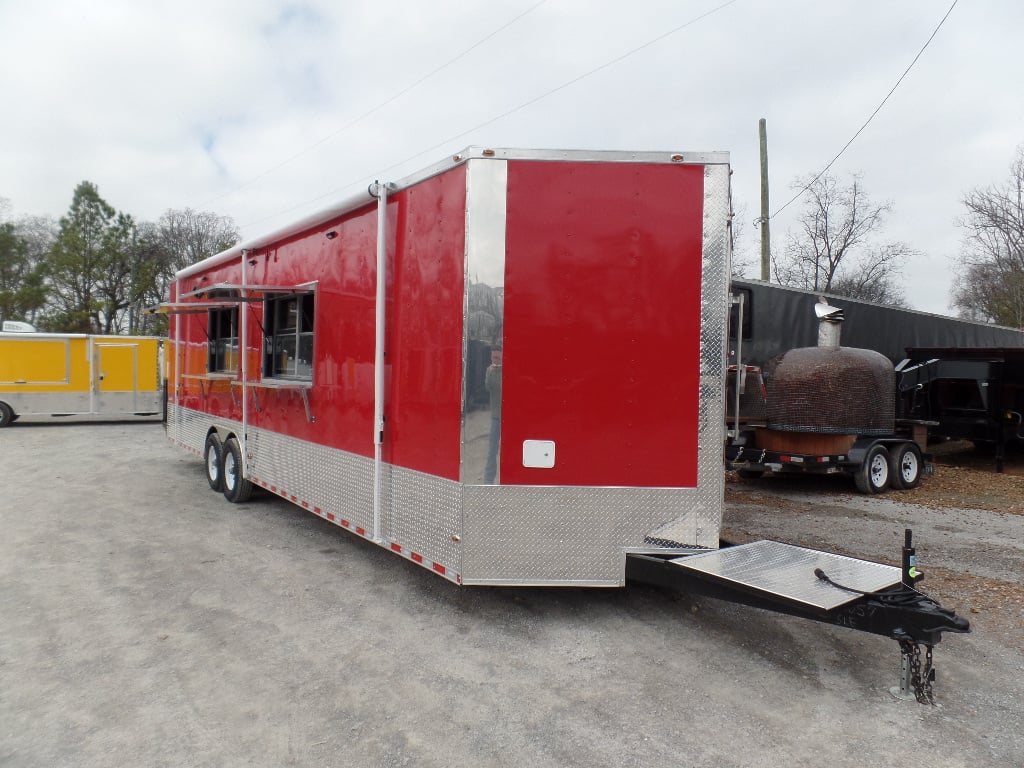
(870, 118)
(505, 114)
(377, 108)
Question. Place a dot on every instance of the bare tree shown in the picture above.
(991, 285)
(836, 249)
(24, 245)
(190, 236)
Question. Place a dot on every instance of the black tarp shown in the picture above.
(779, 318)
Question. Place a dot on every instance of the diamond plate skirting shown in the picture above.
(420, 513)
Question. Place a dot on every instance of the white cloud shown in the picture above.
(173, 104)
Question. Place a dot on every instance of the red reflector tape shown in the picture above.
(416, 557)
(396, 547)
(439, 568)
(361, 531)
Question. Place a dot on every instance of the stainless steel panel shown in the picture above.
(717, 257)
(787, 571)
(486, 206)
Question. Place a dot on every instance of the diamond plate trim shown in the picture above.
(551, 535)
(421, 514)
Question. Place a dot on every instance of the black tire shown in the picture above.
(905, 467)
(213, 456)
(873, 475)
(6, 415)
(750, 474)
(236, 487)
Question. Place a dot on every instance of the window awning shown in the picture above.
(188, 307)
(253, 292)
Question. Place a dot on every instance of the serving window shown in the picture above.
(288, 336)
(222, 340)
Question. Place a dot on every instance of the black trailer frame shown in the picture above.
(896, 609)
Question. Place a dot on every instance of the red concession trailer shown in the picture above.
(509, 369)
(342, 363)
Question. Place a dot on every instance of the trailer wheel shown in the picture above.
(6, 415)
(213, 454)
(905, 467)
(873, 475)
(236, 488)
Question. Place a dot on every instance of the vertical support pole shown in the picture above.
(179, 363)
(762, 129)
(740, 378)
(94, 382)
(378, 357)
(243, 346)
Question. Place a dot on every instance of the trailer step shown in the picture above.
(786, 573)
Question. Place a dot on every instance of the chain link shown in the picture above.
(920, 677)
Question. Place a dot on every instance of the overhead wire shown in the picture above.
(529, 102)
(390, 100)
(871, 117)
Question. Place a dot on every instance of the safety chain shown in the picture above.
(920, 678)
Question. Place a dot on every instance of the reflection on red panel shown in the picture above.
(426, 232)
(602, 323)
(424, 332)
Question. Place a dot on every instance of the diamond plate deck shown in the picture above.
(786, 571)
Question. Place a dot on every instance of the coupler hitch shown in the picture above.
(912, 619)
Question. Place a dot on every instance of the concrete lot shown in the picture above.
(144, 621)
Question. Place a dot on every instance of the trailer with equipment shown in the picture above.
(509, 369)
(79, 376)
(824, 410)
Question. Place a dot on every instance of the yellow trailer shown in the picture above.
(80, 376)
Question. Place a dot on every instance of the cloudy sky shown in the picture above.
(266, 110)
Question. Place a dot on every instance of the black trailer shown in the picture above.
(974, 394)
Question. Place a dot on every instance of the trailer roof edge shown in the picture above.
(357, 201)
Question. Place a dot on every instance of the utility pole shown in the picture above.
(762, 130)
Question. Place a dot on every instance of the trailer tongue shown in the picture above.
(821, 586)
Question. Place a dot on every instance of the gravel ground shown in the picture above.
(146, 622)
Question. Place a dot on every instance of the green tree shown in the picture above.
(89, 266)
